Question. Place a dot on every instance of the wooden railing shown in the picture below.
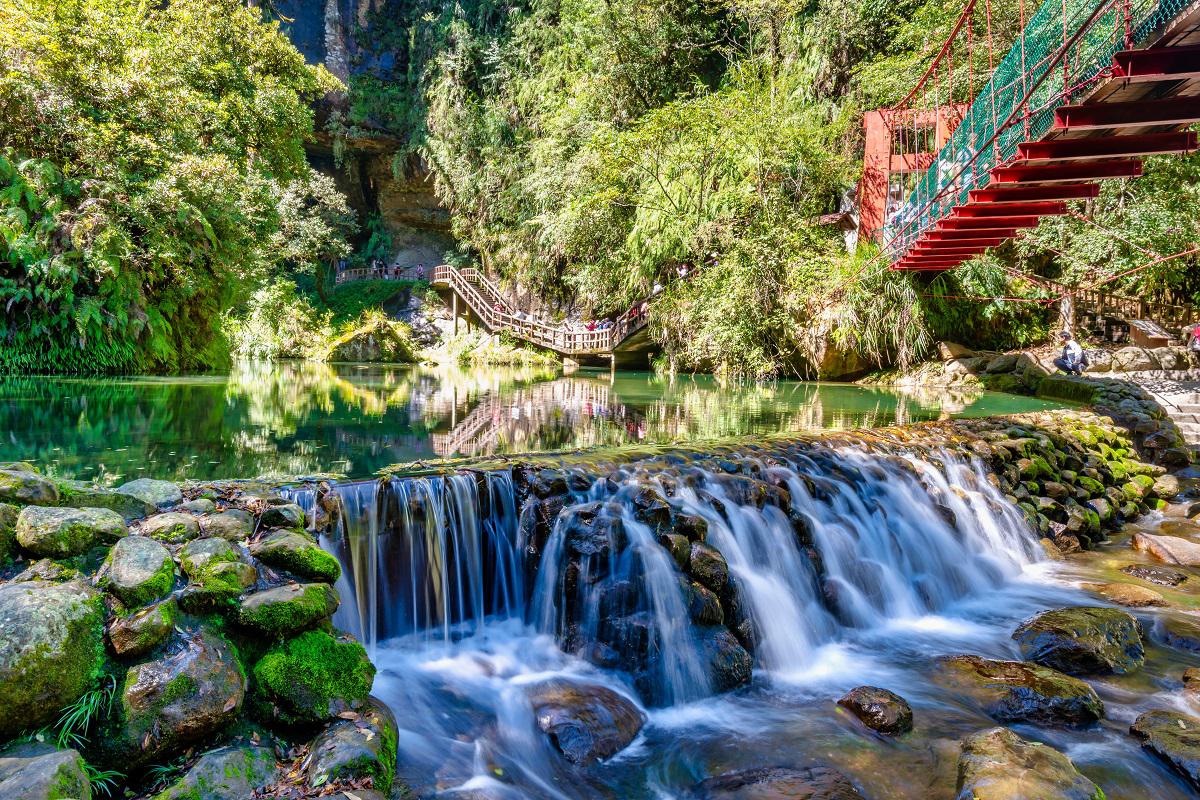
(1097, 301)
(489, 305)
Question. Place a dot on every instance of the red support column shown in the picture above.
(873, 188)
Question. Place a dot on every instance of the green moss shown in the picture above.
(288, 613)
(307, 678)
(180, 686)
(299, 554)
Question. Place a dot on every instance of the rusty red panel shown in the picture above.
(1147, 144)
(1158, 64)
(1070, 172)
(977, 210)
(1168, 111)
(1025, 194)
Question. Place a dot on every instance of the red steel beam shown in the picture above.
(953, 223)
(977, 211)
(1168, 111)
(974, 237)
(1158, 64)
(1068, 173)
(926, 250)
(1026, 194)
(924, 267)
(1147, 144)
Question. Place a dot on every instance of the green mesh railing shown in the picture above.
(1018, 102)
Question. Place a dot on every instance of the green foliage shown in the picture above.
(104, 781)
(80, 718)
(276, 322)
(141, 150)
(348, 301)
(301, 676)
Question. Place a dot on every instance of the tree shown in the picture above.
(315, 223)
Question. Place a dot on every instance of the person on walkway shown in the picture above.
(1194, 339)
(1071, 361)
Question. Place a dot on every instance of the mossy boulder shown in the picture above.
(997, 764)
(377, 339)
(1173, 737)
(160, 494)
(144, 630)
(708, 567)
(282, 515)
(357, 749)
(78, 494)
(1083, 641)
(8, 530)
(288, 609)
(138, 570)
(233, 525)
(171, 526)
(217, 574)
(65, 532)
(190, 693)
(299, 554)
(230, 773)
(584, 722)
(25, 487)
(51, 649)
(312, 678)
(1017, 691)
(37, 771)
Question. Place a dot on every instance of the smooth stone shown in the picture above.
(77, 494)
(233, 524)
(138, 570)
(51, 644)
(285, 515)
(230, 773)
(289, 609)
(727, 663)
(201, 505)
(297, 553)
(356, 750)
(160, 494)
(179, 699)
(37, 771)
(1163, 576)
(66, 532)
(997, 764)
(708, 567)
(1173, 737)
(777, 783)
(1169, 549)
(143, 631)
(584, 722)
(25, 487)
(198, 554)
(45, 569)
(1127, 594)
(1179, 631)
(879, 709)
(171, 526)
(1084, 640)
(1018, 691)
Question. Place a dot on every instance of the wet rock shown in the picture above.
(160, 494)
(77, 494)
(173, 526)
(594, 530)
(286, 515)
(25, 487)
(1167, 487)
(1018, 691)
(143, 631)
(997, 764)
(217, 573)
(313, 678)
(777, 783)
(1163, 576)
(46, 570)
(354, 750)
(37, 771)
(288, 609)
(1179, 631)
(50, 647)
(704, 608)
(1127, 594)
(138, 570)
(1083, 640)
(230, 773)
(233, 524)
(585, 722)
(678, 546)
(66, 532)
(1173, 737)
(184, 697)
(727, 663)
(707, 565)
(879, 709)
(650, 507)
(201, 505)
(694, 527)
(297, 553)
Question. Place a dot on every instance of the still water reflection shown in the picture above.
(277, 419)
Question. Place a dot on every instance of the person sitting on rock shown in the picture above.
(1071, 360)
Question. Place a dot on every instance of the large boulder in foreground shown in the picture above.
(65, 532)
(138, 570)
(78, 494)
(313, 678)
(187, 695)
(777, 783)
(51, 646)
(25, 487)
(584, 721)
(997, 764)
(1017, 691)
(230, 773)
(36, 771)
(1083, 641)
(879, 709)
(356, 749)
(1173, 737)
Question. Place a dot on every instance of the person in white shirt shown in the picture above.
(1071, 360)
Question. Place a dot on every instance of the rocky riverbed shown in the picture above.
(170, 641)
